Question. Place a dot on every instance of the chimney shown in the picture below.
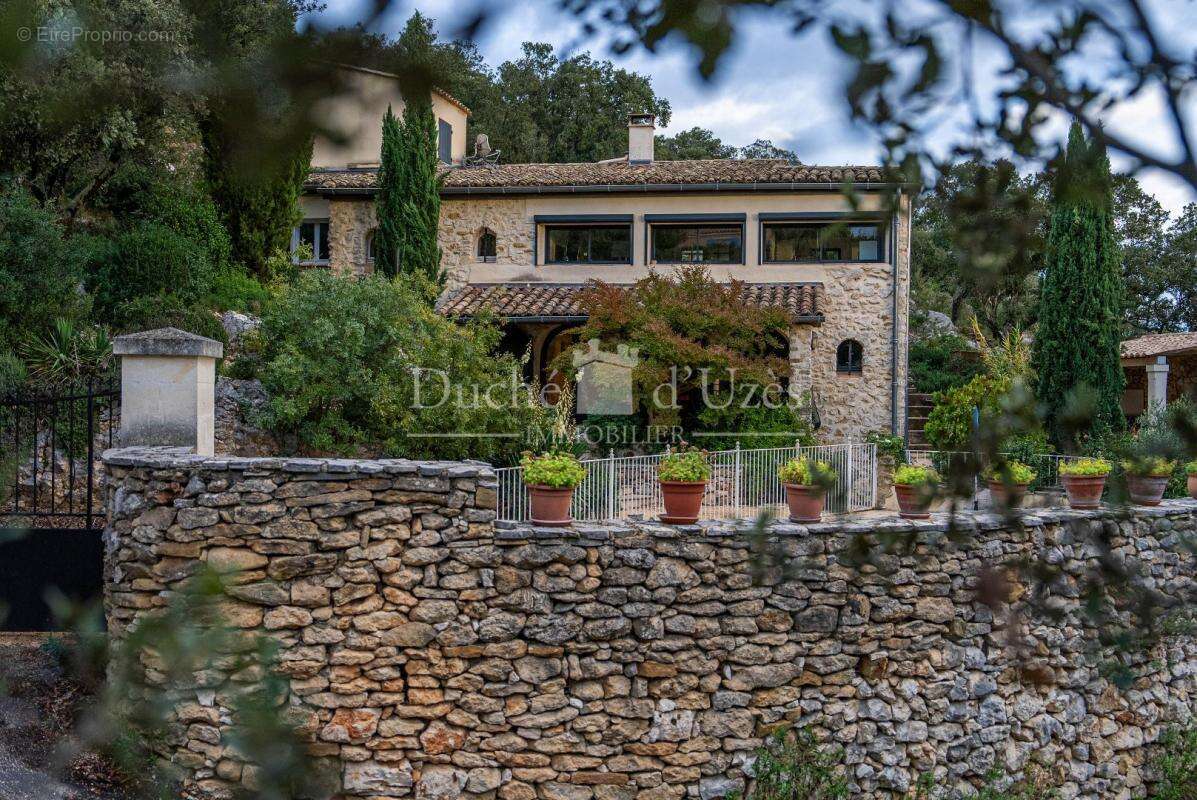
(641, 128)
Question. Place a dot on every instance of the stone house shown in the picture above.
(1160, 368)
(524, 240)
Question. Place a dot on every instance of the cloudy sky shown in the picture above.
(772, 85)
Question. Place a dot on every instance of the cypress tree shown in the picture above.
(1077, 343)
(388, 204)
(258, 202)
(418, 251)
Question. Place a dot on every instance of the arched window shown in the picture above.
(849, 357)
(370, 235)
(487, 245)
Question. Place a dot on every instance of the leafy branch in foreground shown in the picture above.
(156, 675)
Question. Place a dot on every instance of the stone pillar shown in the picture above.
(1157, 383)
(168, 384)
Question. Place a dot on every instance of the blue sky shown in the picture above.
(772, 85)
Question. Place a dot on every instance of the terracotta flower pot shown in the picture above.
(805, 502)
(1004, 496)
(914, 502)
(1193, 486)
(1146, 490)
(1084, 491)
(550, 505)
(683, 499)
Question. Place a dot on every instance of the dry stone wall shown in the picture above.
(433, 654)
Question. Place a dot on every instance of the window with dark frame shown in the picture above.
(698, 244)
(313, 233)
(849, 357)
(588, 244)
(370, 245)
(487, 246)
(788, 242)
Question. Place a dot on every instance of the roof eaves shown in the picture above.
(371, 71)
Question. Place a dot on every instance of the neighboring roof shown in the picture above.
(767, 174)
(1159, 344)
(561, 301)
(437, 89)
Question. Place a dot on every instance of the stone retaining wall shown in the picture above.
(431, 655)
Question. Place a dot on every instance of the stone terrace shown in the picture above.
(432, 655)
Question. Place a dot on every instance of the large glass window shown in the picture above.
(313, 233)
(698, 244)
(588, 244)
(821, 241)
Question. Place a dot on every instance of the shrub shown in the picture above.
(937, 363)
(558, 470)
(147, 259)
(139, 193)
(41, 270)
(365, 366)
(168, 311)
(888, 444)
(1191, 468)
(807, 472)
(950, 424)
(1149, 466)
(792, 766)
(910, 475)
(236, 290)
(1086, 467)
(1015, 472)
(755, 426)
(1177, 765)
(685, 465)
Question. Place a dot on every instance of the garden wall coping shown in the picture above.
(187, 458)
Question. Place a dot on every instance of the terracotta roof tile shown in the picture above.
(526, 300)
(613, 174)
(1158, 344)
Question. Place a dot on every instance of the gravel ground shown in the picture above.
(37, 706)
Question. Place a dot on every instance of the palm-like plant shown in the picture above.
(68, 354)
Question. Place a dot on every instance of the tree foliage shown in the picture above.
(1081, 308)
(978, 245)
(690, 144)
(72, 112)
(353, 366)
(723, 354)
(388, 203)
(41, 269)
(418, 250)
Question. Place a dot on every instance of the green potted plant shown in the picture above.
(1191, 471)
(915, 488)
(806, 482)
(551, 479)
(1008, 483)
(683, 475)
(1084, 479)
(1147, 479)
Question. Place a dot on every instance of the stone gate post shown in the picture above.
(168, 384)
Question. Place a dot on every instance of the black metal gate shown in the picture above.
(51, 503)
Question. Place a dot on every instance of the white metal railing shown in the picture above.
(1046, 466)
(742, 483)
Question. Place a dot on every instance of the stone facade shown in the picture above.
(857, 304)
(461, 223)
(856, 300)
(432, 655)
